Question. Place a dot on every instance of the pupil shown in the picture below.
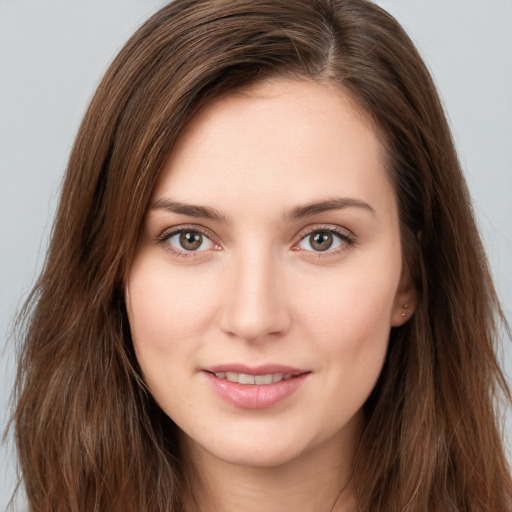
(190, 240)
(321, 241)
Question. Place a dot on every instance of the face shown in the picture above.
(268, 275)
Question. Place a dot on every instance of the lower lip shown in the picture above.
(254, 396)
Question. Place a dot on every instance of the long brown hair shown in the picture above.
(89, 435)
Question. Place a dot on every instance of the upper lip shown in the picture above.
(263, 369)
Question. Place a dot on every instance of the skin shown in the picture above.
(256, 291)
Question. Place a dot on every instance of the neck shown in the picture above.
(317, 481)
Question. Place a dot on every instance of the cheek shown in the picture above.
(166, 326)
(352, 331)
(352, 309)
(350, 319)
(164, 310)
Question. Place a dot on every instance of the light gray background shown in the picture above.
(53, 52)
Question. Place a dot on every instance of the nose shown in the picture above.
(255, 306)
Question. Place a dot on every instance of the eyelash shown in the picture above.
(183, 253)
(347, 239)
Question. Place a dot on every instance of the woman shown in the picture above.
(265, 288)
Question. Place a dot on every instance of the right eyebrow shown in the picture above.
(190, 210)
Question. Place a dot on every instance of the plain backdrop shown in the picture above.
(53, 53)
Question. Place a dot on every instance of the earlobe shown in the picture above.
(405, 300)
(402, 314)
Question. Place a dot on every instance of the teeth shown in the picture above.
(243, 378)
(263, 379)
(232, 377)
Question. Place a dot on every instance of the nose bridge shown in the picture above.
(255, 305)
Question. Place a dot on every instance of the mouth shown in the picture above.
(245, 378)
(255, 387)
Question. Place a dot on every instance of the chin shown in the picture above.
(257, 456)
(246, 448)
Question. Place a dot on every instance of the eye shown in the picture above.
(187, 240)
(325, 241)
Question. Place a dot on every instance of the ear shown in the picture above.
(406, 299)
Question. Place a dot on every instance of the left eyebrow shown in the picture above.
(340, 203)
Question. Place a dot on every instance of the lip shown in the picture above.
(255, 396)
(263, 369)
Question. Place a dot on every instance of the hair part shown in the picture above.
(90, 436)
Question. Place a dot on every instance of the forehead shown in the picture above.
(289, 139)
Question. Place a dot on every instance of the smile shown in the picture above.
(255, 387)
(244, 378)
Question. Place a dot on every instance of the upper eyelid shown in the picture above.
(168, 232)
(332, 228)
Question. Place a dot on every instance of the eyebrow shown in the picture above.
(315, 208)
(202, 212)
(299, 212)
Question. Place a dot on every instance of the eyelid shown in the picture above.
(168, 233)
(347, 237)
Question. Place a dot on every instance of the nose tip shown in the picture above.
(254, 326)
(256, 307)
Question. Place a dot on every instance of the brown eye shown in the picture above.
(190, 240)
(187, 241)
(321, 241)
(325, 240)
